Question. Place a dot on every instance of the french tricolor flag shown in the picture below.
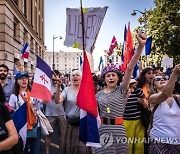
(19, 118)
(81, 63)
(136, 71)
(25, 51)
(41, 85)
(100, 62)
(147, 48)
(89, 117)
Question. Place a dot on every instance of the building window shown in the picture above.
(112, 58)
(36, 16)
(16, 1)
(65, 58)
(16, 27)
(116, 58)
(32, 13)
(25, 8)
(108, 59)
(65, 65)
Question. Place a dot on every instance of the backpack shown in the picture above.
(152, 114)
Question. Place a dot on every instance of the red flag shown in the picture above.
(86, 96)
(129, 49)
(112, 46)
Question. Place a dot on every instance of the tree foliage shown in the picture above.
(163, 23)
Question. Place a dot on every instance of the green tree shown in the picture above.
(119, 49)
(163, 24)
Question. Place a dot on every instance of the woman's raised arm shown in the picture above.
(141, 37)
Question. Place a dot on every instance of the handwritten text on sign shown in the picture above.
(93, 19)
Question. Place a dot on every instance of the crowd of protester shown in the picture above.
(138, 115)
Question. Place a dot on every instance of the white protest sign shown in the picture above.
(167, 62)
(93, 18)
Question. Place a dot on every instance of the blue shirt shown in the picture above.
(8, 88)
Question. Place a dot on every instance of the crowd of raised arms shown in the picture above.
(138, 115)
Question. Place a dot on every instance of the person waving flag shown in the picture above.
(41, 85)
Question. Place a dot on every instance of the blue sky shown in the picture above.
(118, 14)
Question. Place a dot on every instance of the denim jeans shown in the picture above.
(33, 144)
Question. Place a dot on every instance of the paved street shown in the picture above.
(54, 148)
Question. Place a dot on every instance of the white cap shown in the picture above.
(133, 81)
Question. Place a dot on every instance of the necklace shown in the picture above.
(107, 101)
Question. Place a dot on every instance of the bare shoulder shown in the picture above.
(156, 98)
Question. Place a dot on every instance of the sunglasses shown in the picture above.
(160, 78)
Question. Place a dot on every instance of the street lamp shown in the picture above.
(143, 13)
(134, 12)
(145, 24)
(54, 37)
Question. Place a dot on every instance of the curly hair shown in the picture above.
(142, 79)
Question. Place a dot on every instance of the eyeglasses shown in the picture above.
(159, 78)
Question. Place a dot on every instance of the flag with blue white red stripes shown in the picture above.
(19, 118)
(25, 51)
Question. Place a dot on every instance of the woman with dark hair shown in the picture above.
(8, 134)
(145, 79)
(144, 82)
(165, 131)
(22, 95)
(111, 103)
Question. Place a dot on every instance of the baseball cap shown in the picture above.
(21, 74)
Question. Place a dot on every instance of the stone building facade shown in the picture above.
(21, 21)
(114, 58)
(65, 62)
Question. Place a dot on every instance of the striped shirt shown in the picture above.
(132, 111)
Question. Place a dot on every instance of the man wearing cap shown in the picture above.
(132, 119)
(7, 83)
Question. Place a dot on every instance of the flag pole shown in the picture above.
(82, 24)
